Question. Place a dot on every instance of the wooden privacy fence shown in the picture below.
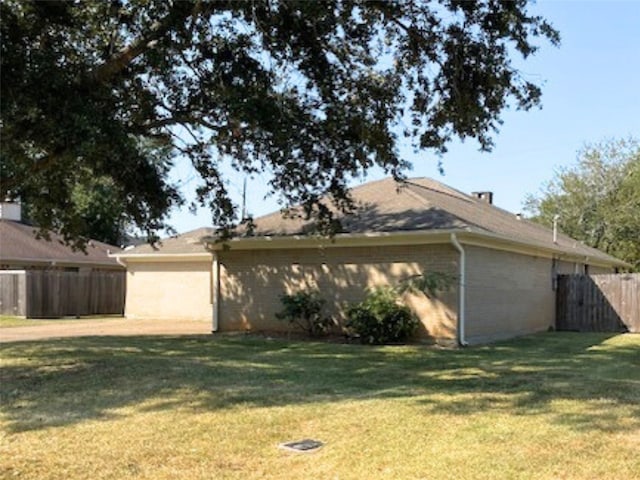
(598, 303)
(12, 292)
(51, 293)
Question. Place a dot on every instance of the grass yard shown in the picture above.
(549, 406)
(8, 321)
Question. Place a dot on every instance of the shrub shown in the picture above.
(380, 318)
(304, 310)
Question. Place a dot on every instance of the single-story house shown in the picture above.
(44, 278)
(21, 249)
(504, 266)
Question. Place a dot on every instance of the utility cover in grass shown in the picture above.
(305, 446)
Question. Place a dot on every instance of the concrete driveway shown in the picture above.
(103, 327)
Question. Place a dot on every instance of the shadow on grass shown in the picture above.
(61, 382)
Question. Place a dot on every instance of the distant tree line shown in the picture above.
(597, 199)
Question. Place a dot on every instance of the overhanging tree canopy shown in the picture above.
(314, 93)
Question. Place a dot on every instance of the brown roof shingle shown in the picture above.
(18, 244)
(424, 204)
(189, 242)
(419, 204)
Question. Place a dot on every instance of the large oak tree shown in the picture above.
(312, 92)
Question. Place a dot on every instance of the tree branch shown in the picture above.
(118, 62)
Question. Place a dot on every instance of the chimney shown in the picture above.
(11, 211)
(486, 197)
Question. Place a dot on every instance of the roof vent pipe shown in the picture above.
(555, 228)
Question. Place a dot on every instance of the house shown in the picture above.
(21, 249)
(44, 278)
(505, 267)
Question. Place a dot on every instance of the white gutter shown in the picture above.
(482, 239)
(167, 257)
(461, 291)
(59, 262)
(119, 260)
(339, 240)
(215, 279)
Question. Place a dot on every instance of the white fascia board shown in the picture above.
(339, 240)
(498, 242)
(61, 263)
(418, 237)
(161, 257)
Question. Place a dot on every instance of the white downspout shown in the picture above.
(215, 279)
(126, 272)
(462, 281)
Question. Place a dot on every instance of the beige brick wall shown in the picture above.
(252, 281)
(169, 290)
(508, 294)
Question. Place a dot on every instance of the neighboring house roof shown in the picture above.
(415, 206)
(19, 245)
(185, 244)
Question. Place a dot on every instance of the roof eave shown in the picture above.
(479, 238)
(492, 240)
(59, 262)
(338, 240)
(467, 236)
(161, 257)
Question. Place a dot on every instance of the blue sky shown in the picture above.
(591, 92)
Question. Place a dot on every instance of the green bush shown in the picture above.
(304, 310)
(380, 318)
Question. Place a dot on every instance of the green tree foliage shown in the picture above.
(312, 93)
(96, 209)
(597, 199)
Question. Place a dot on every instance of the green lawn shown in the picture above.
(7, 321)
(550, 406)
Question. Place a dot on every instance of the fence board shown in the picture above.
(51, 294)
(12, 293)
(598, 303)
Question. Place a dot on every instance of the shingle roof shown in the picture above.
(425, 204)
(18, 243)
(419, 204)
(382, 206)
(189, 242)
